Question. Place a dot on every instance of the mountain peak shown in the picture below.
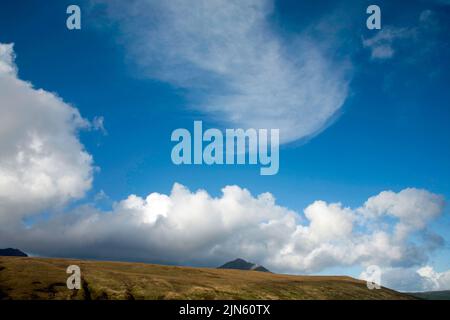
(241, 264)
(10, 252)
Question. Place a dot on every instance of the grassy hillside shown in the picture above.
(39, 278)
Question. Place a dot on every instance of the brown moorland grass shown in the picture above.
(45, 278)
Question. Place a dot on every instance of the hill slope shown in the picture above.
(38, 278)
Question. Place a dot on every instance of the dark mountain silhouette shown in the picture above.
(10, 252)
(241, 264)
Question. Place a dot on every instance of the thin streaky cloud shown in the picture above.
(236, 68)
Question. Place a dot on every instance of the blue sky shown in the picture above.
(391, 132)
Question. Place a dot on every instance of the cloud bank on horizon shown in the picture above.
(233, 64)
(192, 227)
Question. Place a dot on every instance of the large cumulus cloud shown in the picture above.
(42, 163)
(186, 227)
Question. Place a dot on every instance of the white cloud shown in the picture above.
(42, 163)
(382, 44)
(413, 207)
(98, 124)
(413, 279)
(187, 227)
(416, 41)
(7, 65)
(237, 68)
(434, 280)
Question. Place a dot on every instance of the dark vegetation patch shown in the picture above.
(86, 290)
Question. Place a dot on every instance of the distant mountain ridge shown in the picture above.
(241, 264)
(432, 295)
(10, 252)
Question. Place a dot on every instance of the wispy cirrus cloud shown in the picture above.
(234, 65)
(382, 44)
(417, 38)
